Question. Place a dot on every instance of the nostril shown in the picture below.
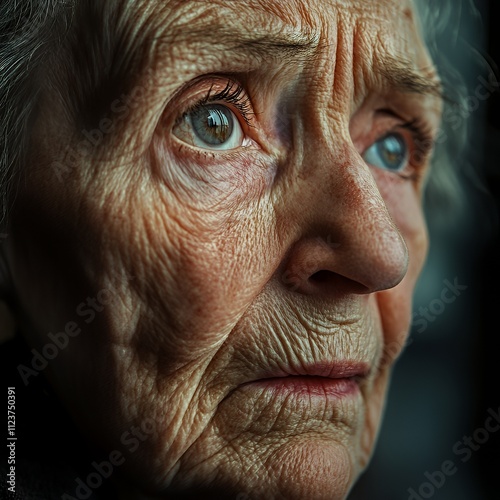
(322, 276)
(333, 282)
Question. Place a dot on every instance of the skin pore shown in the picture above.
(282, 250)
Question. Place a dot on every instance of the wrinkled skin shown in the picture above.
(287, 250)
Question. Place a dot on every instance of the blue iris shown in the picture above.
(389, 153)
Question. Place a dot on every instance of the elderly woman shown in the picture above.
(213, 229)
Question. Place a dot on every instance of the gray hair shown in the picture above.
(29, 30)
(26, 35)
(441, 24)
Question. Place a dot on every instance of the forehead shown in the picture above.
(327, 10)
(308, 15)
(370, 26)
(290, 11)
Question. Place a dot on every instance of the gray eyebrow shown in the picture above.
(265, 45)
(293, 47)
(401, 76)
(289, 47)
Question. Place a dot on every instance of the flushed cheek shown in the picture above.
(407, 213)
(395, 306)
(404, 204)
(405, 207)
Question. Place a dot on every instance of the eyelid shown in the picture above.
(423, 140)
(421, 133)
(222, 90)
(204, 92)
(412, 170)
(234, 93)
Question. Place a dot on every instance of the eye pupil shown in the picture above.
(212, 124)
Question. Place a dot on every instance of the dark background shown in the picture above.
(448, 377)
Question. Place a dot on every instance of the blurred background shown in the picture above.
(446, 384)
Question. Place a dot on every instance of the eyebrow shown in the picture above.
(400, 75)
(283, 46)
(397, 73)
(292, 47)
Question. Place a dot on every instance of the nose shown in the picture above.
(344, 237)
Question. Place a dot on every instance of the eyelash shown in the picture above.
(233, 94)
(423, 144)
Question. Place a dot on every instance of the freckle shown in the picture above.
(408, 14)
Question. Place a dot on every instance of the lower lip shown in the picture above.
(310, 386)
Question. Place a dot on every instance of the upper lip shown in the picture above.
(328, 369)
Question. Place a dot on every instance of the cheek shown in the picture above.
(210, 182)
(197, 269)
(405, 208)
(193, 272)
(395, 305)
(404, 204)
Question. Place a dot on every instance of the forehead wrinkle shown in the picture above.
(262, 35)
(288, 45)
(293, 38)
(386, 62)
(271, 31)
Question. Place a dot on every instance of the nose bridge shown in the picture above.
(337, 199)
(348, 195)
(366, 229)
(338, 178)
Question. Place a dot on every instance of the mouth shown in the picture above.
(324, 380)
(309, 386)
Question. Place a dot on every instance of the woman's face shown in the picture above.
(237, 239)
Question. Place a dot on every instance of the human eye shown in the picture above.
(217, 121)
(389, 153)
(403, 151)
